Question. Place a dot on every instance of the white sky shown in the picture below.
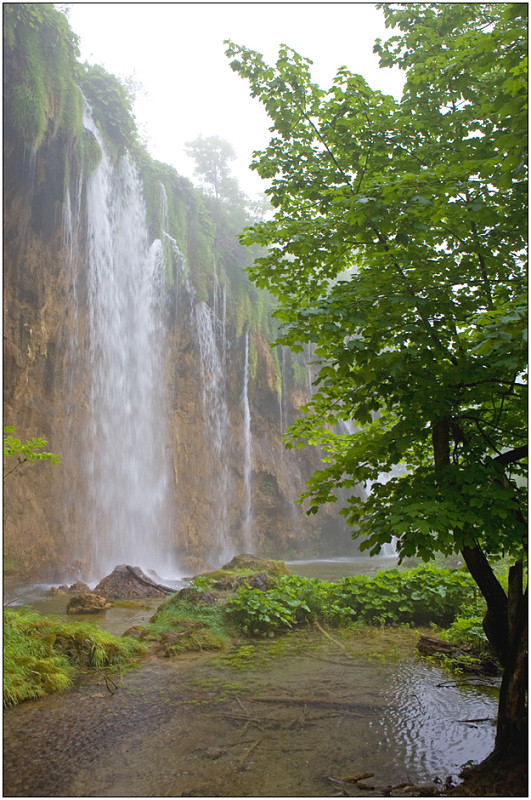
(176, 52)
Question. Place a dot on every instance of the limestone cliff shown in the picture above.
(48, 522)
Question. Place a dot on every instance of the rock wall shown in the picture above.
(46, 329)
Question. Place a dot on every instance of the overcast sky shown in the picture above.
(176, 52)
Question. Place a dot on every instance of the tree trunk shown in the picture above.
(511, 732)
(505, 626)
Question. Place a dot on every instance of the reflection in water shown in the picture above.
(303, 711)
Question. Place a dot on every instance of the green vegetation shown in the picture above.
(28, 452)
(43, 655)
(40, 69)
(111, 103)
(398, 247)
(420, 596)
(195, 625)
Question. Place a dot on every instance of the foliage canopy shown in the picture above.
(398, 247)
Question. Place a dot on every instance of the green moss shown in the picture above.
(196, 626)
(42, 96)
(111, 104)
(90, 152)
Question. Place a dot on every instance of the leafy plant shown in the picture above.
(25, 452)
(421, 596)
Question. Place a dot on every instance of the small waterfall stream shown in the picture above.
(216, 414)
(125, 450)
(247, 445)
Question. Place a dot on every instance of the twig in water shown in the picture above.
(339, 644)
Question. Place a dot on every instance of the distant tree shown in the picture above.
(212, 156)
(28, 452)
(398, 247)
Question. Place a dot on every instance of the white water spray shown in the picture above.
(125, 454)
(216, 414)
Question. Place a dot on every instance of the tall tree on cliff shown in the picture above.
(398, 247)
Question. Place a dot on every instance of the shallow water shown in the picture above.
(308, 709)
(332, 569)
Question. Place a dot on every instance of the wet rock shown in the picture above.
(192, 595)
(79, 588)
(87, 604)
(255, 564)
(56, 590)
(137, 631)
(259, 581)
(126, 583)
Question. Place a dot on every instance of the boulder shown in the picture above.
(259, 581)
(55, 590)
(255, 564)
(192, 595)
(87, 604)
(79, 588)
(128, 583)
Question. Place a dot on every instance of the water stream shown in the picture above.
(247, 444)
(126, 462)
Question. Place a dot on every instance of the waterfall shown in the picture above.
(125, 452)
(216, 415)
(247, 449)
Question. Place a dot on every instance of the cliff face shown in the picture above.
(215, 363)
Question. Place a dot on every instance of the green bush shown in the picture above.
(421, 596)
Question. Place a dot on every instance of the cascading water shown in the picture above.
(216, 414)
(247, 449)
(125, 453)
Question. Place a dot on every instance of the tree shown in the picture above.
(27, 452)
(398, 247)
(212, 156)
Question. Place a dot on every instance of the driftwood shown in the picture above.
(429, 647)
(10, 602)
(315, 701)
(149, 582)
(352, 783)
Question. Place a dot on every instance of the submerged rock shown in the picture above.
(87, 604)
(128, 583)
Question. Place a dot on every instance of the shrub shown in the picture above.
(421, 596)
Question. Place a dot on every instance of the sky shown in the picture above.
(175, 52)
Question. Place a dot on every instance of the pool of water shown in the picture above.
(332, 569)
(305, 713)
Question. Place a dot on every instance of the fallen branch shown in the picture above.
(108, 680)
(315, 701)
(250, 750)
(10, 602)
(339, 644)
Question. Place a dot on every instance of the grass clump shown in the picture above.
(43, 655)
(184, 624)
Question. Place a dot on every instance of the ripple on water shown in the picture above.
(437, 723)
